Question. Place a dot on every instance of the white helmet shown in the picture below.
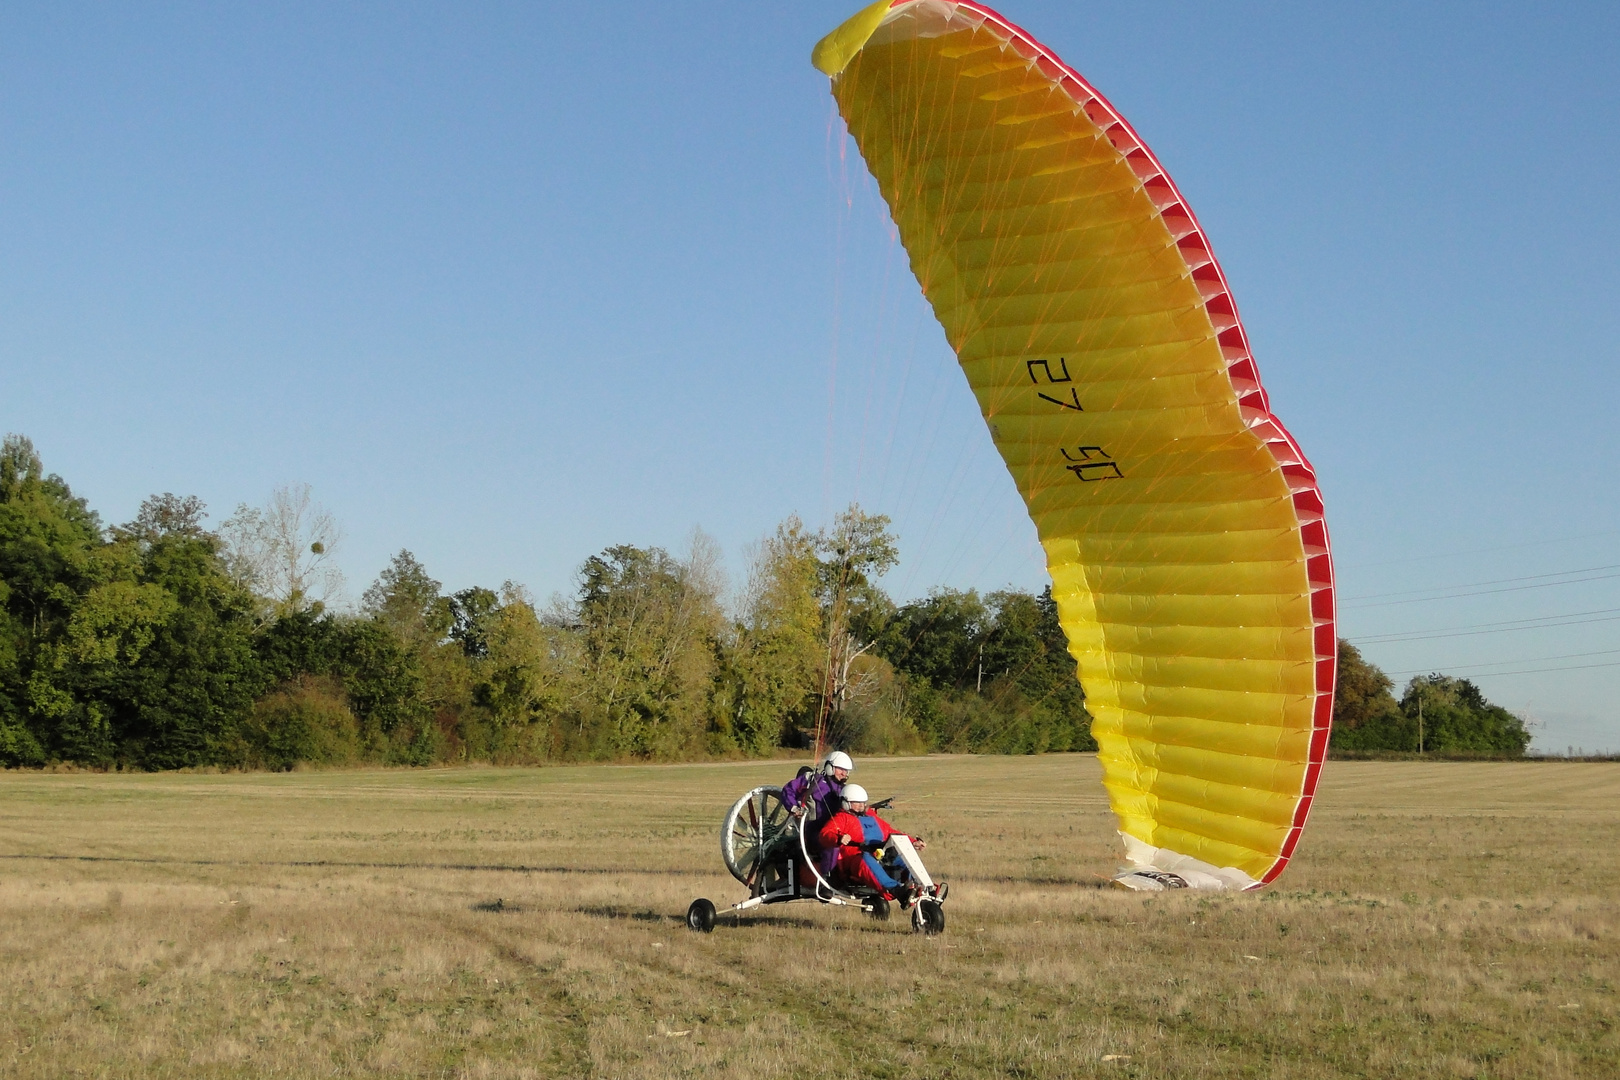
(854, 793)
(839, 760)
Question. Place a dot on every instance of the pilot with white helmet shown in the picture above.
(820, 790)
(819, 794)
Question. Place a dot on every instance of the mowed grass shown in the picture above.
(1440, 920)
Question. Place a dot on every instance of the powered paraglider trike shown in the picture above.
(763, 844)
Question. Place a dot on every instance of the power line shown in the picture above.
(1476, 591)
(1535, 670)
(1482, 584)
(1574, 618)
(1505, 663)
(1488, 550)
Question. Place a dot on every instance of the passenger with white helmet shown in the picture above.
(855, 835)
(817, 794)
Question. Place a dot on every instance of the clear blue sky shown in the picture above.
(510, 283)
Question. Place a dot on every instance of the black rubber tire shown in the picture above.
(700, 916)
(879, 909)
(928, 917)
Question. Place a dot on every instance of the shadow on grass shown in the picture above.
(794, 922)
(612, 911)
(727, 920)
(1092, 882)
(497, 905)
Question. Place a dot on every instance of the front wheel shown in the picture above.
(928, 917)
(700, 916)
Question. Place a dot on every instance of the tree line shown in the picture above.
(161, 644)
(1440, 714)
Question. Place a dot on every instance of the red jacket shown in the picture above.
(867, 828)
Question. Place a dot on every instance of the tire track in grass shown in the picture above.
(816, 1013)
(335, 864)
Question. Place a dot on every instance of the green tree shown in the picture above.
(877, 717)
(1365, 713)
(773, 660)
(989, 674)
(380, 676)
(49, 546)
(1031, 678)
(941, 638)
(47, 537)
(649, 625)
(160, 644)
(407, 601)
(1436, 714)
(305, 720)
(167, 515)
(1452, 715)
(527, 678)
(130, 647)
(471, 611)
(182, 699)
(387, 691)
(78, 689)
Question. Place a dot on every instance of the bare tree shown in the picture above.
(284, 552)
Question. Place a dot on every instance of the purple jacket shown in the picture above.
(824, 796)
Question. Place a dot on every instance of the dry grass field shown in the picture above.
(1441, 920)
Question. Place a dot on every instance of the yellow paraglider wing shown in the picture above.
(1182, 525)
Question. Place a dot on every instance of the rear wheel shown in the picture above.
(700, 916)
(879, 909)
(757, 839)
